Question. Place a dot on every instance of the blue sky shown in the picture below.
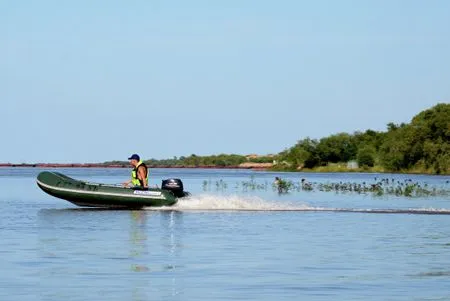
(89, 81)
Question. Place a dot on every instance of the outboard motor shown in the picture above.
(175, 186)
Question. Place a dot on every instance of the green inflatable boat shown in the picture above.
(88, 194)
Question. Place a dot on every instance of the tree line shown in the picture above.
(423, 145)
(222, 160)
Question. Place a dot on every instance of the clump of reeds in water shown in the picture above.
(221, 185)
(385, 186)
(379, 187)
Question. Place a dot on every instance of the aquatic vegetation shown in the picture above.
(283, 186)
(380, 187)
(406, 188)
(253, 185)
(219, 185)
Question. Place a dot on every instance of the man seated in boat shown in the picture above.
(139, 174)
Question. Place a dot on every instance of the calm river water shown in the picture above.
(226, 242)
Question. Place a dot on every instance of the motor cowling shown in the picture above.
(175, 186)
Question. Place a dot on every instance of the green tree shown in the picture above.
(369, 138)
(337, 148)
(303, 154)
(423, 141)
(366, 156)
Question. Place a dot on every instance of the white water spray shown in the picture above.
(207, 202)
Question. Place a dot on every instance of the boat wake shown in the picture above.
(238, 203)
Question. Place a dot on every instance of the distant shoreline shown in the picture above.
(100, 165)
(256, 166)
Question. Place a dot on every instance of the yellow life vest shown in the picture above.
(134, 177)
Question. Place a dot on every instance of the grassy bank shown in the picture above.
(336, 168)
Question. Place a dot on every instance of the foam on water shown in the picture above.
(207, 202)
(232, 203)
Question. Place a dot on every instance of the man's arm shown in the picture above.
(126, 183)
(142, 175)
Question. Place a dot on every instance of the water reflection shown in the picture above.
(135, 253)
(152, 258)
(171, 223)
(138, 240)
(148, 258)
(138, 253)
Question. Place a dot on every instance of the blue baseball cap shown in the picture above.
(134, 157)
